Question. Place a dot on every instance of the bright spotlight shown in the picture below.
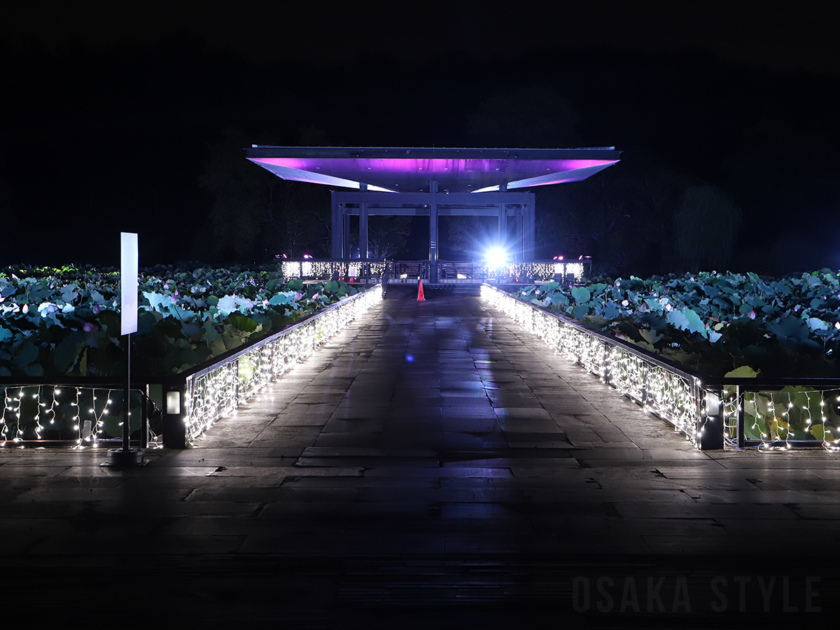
(496, 257)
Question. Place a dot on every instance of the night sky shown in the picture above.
(110, 109)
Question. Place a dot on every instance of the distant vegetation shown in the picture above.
(714, 322)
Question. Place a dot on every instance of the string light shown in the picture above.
(210, 395)
(673, 397)
(537, 270)
(50, 411)
(660, 391)
(217, 392)
(326, 268)
(761, 409)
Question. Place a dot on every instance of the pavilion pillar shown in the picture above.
(345, 221)
(363, 238)
(337, 227)
(502, 224)
(518, 233)
(433, 232)
(529, 224)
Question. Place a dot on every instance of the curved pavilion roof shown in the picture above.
(409, 169)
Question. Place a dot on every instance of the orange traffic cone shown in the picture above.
(420, 297)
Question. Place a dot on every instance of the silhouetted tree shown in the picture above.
(255, 214)
(387, 236)
(592, 218)
(655, 192)
(706, 224)
(9, 213)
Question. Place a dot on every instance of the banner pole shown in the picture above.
(126, 456)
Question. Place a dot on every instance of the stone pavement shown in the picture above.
(432, 464)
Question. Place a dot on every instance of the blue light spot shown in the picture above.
(409, 358)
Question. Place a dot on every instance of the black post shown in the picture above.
(386, 273)
(363, 240)
(144, 418)
(126, 456)
(174, 429)
(127, 396)
(711, 436)
(433, 232)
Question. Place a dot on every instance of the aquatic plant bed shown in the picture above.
(713, 323)
(222, 333)
(737, 409)
(64, 321)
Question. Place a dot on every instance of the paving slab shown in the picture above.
(430, 443)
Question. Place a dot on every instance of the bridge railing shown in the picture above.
(86, 411)
(711, 413)
(325, 268)
(374, 271)
(78, 411)
(214, 391)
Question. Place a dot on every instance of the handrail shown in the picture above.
(702, 408)
(262, 360)
(576, 271)
(234, 353)
(211, 392)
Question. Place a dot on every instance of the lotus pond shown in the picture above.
(728, 325)
(66, 321)
(715, 323)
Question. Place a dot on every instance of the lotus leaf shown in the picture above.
(227, 305)
(745, 371)
(26, 353)
(244, 324)
(611, 311)
(789, 328)
(67, 352)
(580, 311)
(820, 433)
(581, 295)
(652, 337)
(282, 298)
(677, 319)
(816, 324)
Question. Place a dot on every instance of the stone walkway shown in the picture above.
(432, 464)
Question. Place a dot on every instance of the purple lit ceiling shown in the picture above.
(411, 169)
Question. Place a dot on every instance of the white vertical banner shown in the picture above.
(128, 282)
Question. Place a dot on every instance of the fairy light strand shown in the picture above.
(29, 411)
(673, 397)
(217, 394)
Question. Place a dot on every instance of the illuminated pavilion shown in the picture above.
(433, 182)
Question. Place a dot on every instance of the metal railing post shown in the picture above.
(710, 436)
(606, 371)
(144, 417)
(174, 425)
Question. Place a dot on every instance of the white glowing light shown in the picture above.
(496, 257)
(217, 393)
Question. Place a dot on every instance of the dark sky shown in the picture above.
(779, 37)
(111, 106)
